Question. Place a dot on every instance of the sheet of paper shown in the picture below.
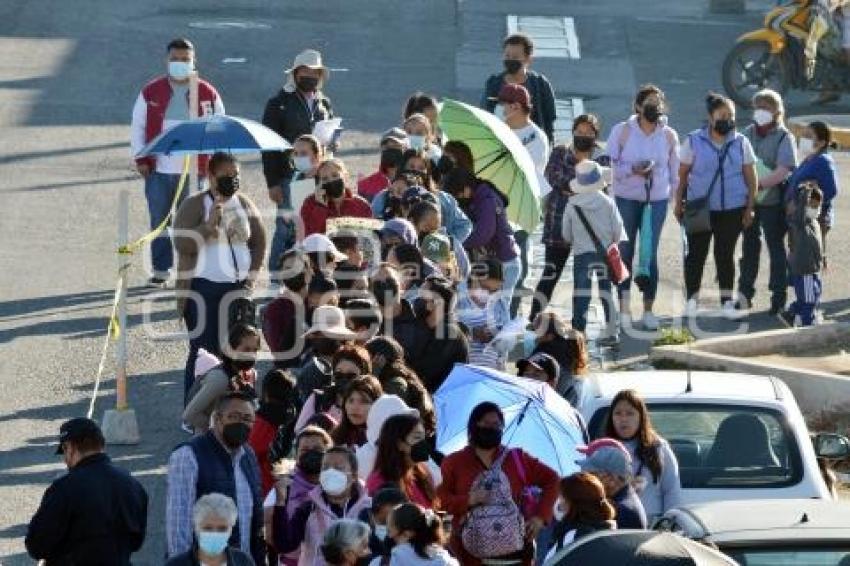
(324, 129)
(300, 190)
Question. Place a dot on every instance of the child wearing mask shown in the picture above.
(383, 502)
(806, 258)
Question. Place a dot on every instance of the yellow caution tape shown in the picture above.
(114, 331)
(133, 247)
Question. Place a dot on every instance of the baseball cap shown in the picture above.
(415, 194)
(543, 362)
(319, 243)
(514, 94)
(394, 134)
(436, 247)
(610, 457)
(78, 429)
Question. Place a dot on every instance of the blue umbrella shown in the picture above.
(537, 419)
(215, 133)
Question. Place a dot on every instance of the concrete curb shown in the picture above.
(816, 391)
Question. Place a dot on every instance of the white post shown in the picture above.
(193, 114)
(119, 424)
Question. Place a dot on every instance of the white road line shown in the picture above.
(554, 37)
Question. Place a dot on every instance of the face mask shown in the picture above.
(499, 112)
(558, 511)
(381, 532)
(421, 451)
(235, 434)
(212, 543)
(651, 113)
(807, 147)
(303, 163)
(464, 202)
(307, 84)
(180, 70)
(334, 188)
(226, 185)
(480, 296)
(325, 346)
(812, 213)
(486, 437)
(583, 143)
(385, 291)
(762, 117)
(435, 152)
(333, 482)
(420, 308)
(512, 66)
(296, 283)
(416, 142)
(311, 462)
(724, 126)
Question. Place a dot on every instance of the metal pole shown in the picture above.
(193, 114)
(123, 260)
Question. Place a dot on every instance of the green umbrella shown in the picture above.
(499, 157)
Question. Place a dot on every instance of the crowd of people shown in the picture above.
(331, 456)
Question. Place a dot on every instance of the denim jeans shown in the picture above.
(632, 211)
(511, 271)
(770, 221)
(213, 333)
(521, 237)
(584, 265)
(555, 261)
(159, 192)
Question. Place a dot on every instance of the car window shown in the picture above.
(790, 556)
(722, 446)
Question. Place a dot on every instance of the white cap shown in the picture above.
(330, 321)
(319, 243)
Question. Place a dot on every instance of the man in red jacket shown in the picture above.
(162, 103)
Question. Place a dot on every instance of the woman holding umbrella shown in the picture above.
(463, 493)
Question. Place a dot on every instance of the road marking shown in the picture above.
(230, 60)
(566, 110)
(554, 37)
(229, 25)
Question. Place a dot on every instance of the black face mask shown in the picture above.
(486, 437)
(385, 290)
(334, 188)
(583, 143)
(307, 84)
(235, 434)
(391, 157)
(464, 202)
(421, 451)
(651, 113)
(325, 346)
(311, 462)
(512, 66)
(420, 308)
(723, 127)
(226, 185)
(296, 283)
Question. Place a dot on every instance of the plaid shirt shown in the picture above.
(560, 170)
(182, 495)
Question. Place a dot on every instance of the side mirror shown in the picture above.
(831, 446)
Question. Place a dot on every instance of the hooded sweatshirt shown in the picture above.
(603, 216)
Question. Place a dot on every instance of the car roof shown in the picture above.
(772, 520)
(704, 385)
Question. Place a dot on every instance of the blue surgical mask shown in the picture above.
(416, 142)
(381, 532)
(180, 70)
(303, 163)
(529, 342)
(213, 543)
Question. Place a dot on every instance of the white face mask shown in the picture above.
(381, 531)
(333, 482)
(416, 142)
(303, 163)
(480, 296)
(806, 146)
(762, 117)
(812, 212)
(499, 112)
(180, 70)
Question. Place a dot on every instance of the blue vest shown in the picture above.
(215, 475)
(730, 191)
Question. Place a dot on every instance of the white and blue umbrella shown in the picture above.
(215, 133)
(537, 419)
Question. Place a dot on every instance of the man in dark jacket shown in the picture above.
(96, 513)
(518, 51)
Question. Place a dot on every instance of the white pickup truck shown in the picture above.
(735, 436)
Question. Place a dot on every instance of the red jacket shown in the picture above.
(262, 435)
(157, 95)
(315, 214)
(460, 470)
(369, 186)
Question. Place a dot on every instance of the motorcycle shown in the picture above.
(797, 48)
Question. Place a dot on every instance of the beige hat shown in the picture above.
(330, 321)
(308, 58)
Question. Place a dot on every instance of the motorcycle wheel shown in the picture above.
(750, 67)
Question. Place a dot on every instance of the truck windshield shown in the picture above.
(722, 446)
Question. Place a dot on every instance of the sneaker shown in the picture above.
(691, 308)
(650, 322)
(787, 318)
(730, 311)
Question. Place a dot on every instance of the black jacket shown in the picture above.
(288, 114)
(235, 557)
(542, 99)
(95, 514)
(439, 353)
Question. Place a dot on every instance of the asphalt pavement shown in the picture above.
(69, 74)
